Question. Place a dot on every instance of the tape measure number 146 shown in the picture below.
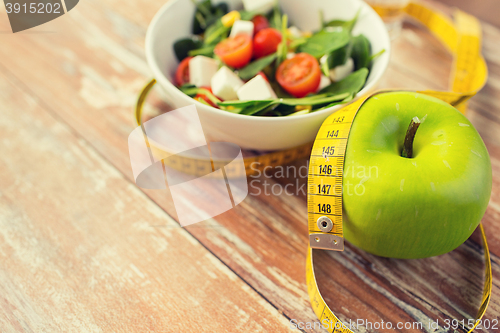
(463, 39)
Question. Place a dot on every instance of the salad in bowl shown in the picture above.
(253, 62)
(198, 53)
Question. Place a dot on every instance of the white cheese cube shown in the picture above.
(242, 27)
(324, 82)
(201, 71)
(294, 32)
(340, 72)
(258, 6)
(256, 89)
(225, 84)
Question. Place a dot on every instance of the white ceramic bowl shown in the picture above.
(174, 21)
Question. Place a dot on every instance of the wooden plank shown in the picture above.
(78, 253)
(264, 239)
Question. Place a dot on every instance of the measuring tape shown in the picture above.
(463, 39)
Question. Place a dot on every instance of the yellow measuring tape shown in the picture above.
(462, 37)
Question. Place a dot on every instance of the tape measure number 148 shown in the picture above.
(463, 39)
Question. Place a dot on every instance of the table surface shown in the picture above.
(82, 249)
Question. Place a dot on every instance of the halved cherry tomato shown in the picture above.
(299, 75)
(259, 23)
(235, 51)
(266, 42)
(182, 73)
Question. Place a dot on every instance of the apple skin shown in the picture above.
(415, 207)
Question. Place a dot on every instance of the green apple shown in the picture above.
(419, 206)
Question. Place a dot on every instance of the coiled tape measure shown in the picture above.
(462, 37)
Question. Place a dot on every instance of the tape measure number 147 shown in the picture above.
(326, 169)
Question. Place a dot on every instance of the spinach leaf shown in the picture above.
(246, 15)
(325, 42)
(345, 100)
(282, 106)
(257, 108)
(351, 84)
(275, 17)
(207, 51)
(206, 14)
(314, 100)
(242, 104)
(376, 55)
(182, 47)
(361, 51)
(189, 89)
(215, 32)
(348, 25)
(336, 58)
(250, 70)
(282, 49)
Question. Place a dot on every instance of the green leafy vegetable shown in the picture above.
(253, 68)
(348, 25)
(246, 15)
(345, 100)
(206, 14)
(182, 47)
(351, 84)
(260, 106)
(275, 17)
(361, 51)
(207, 51)
(376, 55)
(325, 42)
(334, 42)
(336, 58)
(192, 90)
(189, 89)
(314, 100)
(257, 108)
(283, 46)
(215, 33)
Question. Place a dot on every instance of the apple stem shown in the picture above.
(410, 136)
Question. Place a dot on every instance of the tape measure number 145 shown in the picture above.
(326, 169)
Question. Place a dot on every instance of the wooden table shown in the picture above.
(82, 249)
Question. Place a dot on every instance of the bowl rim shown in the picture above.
(165, 82)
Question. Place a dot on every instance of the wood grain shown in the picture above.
(86, 76)
(78, 253)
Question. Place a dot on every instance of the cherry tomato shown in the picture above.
(266, 42)
(182, 73)
(259, 23)
(235, 51)
(299, 75)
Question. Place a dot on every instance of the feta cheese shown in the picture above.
(201, 71)
(290, 55)
(324, 82)
(258, 6)
(340, 72)
(242, 27)
(256, 89)
(225, 84)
